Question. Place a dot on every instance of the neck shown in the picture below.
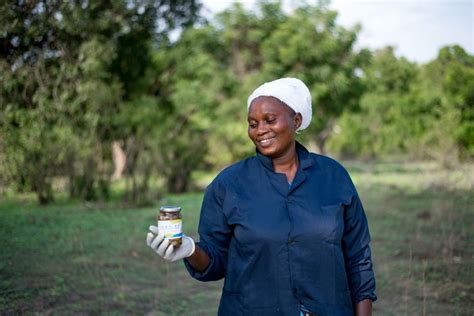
(287, 163)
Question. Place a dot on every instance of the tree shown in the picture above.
(196, 83)
(67, 70)
(311, 46)
(424, 112)
(268, 44)
(446, 90)
(387, 118)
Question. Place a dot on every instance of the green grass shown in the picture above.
(422, 225)
(75, 258)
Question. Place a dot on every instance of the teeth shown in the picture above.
(266, 140)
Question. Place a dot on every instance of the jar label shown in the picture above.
(172, 229)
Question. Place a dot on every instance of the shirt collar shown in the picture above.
(303, 156)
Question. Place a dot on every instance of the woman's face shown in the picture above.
(272, 126)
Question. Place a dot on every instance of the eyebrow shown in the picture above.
(265, 113)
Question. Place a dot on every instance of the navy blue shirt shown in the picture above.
(280, 246)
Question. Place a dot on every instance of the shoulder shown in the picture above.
(234, 172)
(332, 169)
(328, 164)
(237, 169)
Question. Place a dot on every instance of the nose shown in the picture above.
(262, 129)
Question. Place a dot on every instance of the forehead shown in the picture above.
(268, 104)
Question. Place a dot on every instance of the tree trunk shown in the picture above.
(45, 197)
(178, 182)
(324, 135)
(132, 152)
(119, 159)
(43, 190)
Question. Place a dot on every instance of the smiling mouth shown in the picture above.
(265, 140)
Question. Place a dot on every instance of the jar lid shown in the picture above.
(169, 208)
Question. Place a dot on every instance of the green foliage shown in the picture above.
(69, 71)
(307, 44)
(425, 111)
(79, 77)
(449, 82)
(381, 123)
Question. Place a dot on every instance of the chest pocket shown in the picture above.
(321, 224)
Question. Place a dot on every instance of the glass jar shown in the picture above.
(170, 224)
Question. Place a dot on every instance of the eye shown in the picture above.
(252, 125)
(270, 120)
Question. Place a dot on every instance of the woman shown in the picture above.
(285, 228)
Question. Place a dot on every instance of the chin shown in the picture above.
(269, 151)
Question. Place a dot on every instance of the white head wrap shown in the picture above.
(293, 92)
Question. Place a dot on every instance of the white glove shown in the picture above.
(164, 249)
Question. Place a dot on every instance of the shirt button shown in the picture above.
(291, 241)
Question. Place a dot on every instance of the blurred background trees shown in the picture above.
(168, 90)
(71, 73)
(413, 111)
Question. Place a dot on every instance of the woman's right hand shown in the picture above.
(167, 251)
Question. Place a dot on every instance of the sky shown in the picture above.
(416, 28)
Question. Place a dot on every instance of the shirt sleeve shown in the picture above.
(356, 247)
(214, 233)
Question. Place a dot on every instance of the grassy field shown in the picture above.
(87, 259)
